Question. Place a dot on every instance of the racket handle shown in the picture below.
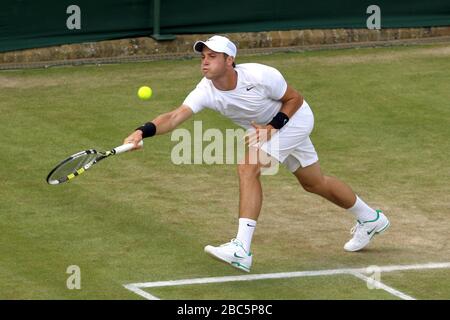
(126, 147)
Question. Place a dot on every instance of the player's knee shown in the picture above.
(246, 170)
(308, 187)
(318, 187)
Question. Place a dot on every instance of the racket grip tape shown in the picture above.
(125, 147)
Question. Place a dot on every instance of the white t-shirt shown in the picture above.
(255, 98)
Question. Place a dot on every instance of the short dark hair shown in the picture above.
(226, 56)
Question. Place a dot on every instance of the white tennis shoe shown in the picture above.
(364, 231)
(233, 253)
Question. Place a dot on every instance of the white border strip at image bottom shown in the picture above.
(357, 272)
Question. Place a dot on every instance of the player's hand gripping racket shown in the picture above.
(79, 162)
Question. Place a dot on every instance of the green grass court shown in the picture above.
(382, 126)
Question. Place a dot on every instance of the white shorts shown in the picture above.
(291, 145)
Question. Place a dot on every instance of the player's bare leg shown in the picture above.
(237, 251)
(369, 221)
(250, 191)
(312, 180)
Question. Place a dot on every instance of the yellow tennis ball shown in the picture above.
(145, 92)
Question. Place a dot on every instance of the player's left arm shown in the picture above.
(291, 101)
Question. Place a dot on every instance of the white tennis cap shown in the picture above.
(217, 44)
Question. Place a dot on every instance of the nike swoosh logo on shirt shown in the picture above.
(250, 88)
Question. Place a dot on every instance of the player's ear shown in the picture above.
(229, 60)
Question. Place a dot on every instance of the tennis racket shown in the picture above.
(79, 162)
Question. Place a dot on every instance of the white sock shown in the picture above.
(245, 232)
(362, 211)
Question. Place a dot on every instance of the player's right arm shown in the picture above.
(164, 123)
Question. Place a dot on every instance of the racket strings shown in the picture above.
(72, 166)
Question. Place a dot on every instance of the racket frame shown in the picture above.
(101, 155)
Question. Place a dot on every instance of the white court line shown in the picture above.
(140, 292)
(136, 287)
(381, 285)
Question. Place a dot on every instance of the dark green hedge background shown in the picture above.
(38, 23)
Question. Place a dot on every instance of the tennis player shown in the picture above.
(257, 97)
